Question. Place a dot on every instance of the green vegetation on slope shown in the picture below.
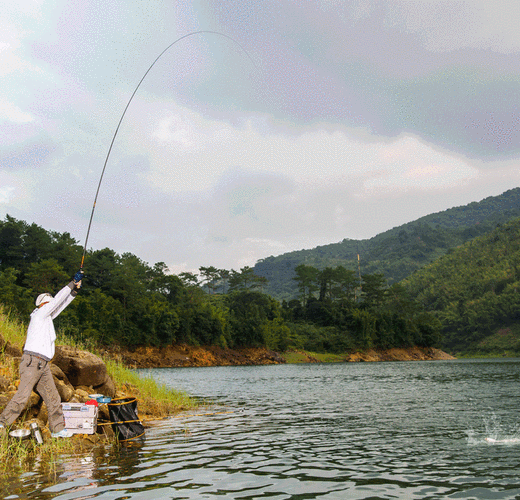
(396, 253)
(474, 291)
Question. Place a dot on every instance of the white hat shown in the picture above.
(43, 297)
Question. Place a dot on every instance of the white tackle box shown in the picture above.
(80, 418)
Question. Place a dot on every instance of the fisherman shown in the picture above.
(37, 354)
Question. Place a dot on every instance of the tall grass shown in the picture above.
(12, 331)
(11, 328)
(154, 399)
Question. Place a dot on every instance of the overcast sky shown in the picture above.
(302, 123)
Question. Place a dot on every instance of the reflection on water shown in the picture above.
(372, 430)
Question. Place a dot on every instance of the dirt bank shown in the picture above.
(186, 355)
(400, 354)
(191, 356)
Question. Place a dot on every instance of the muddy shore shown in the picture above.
(194, 356)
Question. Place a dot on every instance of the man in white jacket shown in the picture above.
(38, 351)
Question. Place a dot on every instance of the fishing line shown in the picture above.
(126, 108)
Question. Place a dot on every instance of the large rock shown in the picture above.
(13, 351)
(7, 348)
(4, 383)
(80, 367)
(66, 391)
(34, 400)
(43, 414)
(57, 372)
(81, 395)
(107, 389)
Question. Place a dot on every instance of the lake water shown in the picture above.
(403, 430)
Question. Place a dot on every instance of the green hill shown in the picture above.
(398, 252)
(474, 291)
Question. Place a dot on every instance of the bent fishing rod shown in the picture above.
(126, 108)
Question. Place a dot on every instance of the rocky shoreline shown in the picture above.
(198, 356)
(76, 373)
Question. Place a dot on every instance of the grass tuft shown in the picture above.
(154, 399)
(17, 455)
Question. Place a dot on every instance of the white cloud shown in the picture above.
(12, 113)
(189, 152)
(6, 194)
(446, 26)
(411, 164)
(214, 182)
(171, 130)
(11, 61)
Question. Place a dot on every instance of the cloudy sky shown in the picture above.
(293, 124)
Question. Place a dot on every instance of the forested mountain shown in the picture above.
(126, 301)
(474, 291)
(396, 253)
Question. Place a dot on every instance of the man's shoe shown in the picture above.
(64, 433)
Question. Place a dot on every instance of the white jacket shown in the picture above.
(40, 333)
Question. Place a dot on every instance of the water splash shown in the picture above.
(494, 432)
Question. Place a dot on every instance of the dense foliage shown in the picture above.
(396, 253)
(474, 291)
(126, 301)
(338, 312)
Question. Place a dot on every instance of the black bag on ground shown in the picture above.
(126, 423)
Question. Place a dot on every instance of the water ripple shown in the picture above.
(387, 430)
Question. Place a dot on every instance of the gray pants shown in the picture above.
(35, 374)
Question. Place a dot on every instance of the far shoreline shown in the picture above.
(183, 355)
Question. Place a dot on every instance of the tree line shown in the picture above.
(348, 312)
(126, 301)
